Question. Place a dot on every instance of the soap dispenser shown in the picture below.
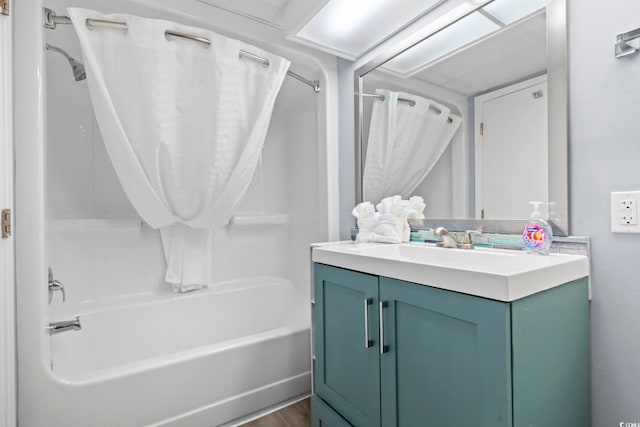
(537, 234)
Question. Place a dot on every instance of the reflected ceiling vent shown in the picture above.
(268, 12)
(483, 23)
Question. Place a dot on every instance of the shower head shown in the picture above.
(76, 66)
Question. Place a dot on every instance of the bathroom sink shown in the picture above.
(429, 254)
(504, 275)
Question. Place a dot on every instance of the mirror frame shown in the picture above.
(558, 112)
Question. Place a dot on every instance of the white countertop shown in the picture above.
(504, 275)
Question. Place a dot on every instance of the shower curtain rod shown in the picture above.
(409, 101)
(51, 20)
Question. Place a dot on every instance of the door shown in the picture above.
(347, 372)
(7, 278)
(447, 361)
(512, 150)
(323, 416)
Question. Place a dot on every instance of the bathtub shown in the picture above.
(196, 359)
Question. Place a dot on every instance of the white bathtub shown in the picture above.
(186, 360)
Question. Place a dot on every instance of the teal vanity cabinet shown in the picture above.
(392, 353)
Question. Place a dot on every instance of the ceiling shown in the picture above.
(507, 56)
(344, 28)
(266, 11)
(516, 51)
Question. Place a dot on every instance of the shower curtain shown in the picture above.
(183, 123)
(405, 142)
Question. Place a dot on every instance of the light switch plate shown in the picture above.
(624, 212)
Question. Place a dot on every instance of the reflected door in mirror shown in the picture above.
(511, 150)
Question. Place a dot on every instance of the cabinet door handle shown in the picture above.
(382, 305)
(367, 342)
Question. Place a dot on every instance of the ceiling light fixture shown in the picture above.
(350, 28)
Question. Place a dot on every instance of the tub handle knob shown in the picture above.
(55, 285)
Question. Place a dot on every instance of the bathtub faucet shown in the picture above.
(64, 325)
(55, 285)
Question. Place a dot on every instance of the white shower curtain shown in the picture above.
(184, 125)
(405, 142)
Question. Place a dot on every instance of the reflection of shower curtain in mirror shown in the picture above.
(183, 123)
(405, 142)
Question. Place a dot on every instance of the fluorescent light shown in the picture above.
(509, 11)
(342, 18)
(465, 31)
(349, 28)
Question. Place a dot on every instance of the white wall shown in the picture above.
(604, 96)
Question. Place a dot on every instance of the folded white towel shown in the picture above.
(416, 207)
(389, 224)
(388, 229)
(367, 218)
(386, 204)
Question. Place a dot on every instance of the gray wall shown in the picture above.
(604, 102)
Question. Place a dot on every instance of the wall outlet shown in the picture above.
(624, 212)
(628, 219)
(627, 204)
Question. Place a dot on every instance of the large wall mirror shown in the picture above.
(469, 111)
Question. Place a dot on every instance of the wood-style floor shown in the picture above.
(296, 415)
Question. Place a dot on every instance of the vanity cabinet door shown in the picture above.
(347, 371)
(447, 358)
(323, 416)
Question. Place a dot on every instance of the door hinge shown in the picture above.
(481, 213)
(6, 223)
(5, 6)
(481, 128)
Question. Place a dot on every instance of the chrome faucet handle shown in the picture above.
(445, 239)
(55, 285)
(467, 242)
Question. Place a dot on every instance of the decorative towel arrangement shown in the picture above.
(183, 123)
(389, 224)
(405, 143)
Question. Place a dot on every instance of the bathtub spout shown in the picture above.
(64, 325)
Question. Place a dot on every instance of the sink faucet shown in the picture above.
(445, 239)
